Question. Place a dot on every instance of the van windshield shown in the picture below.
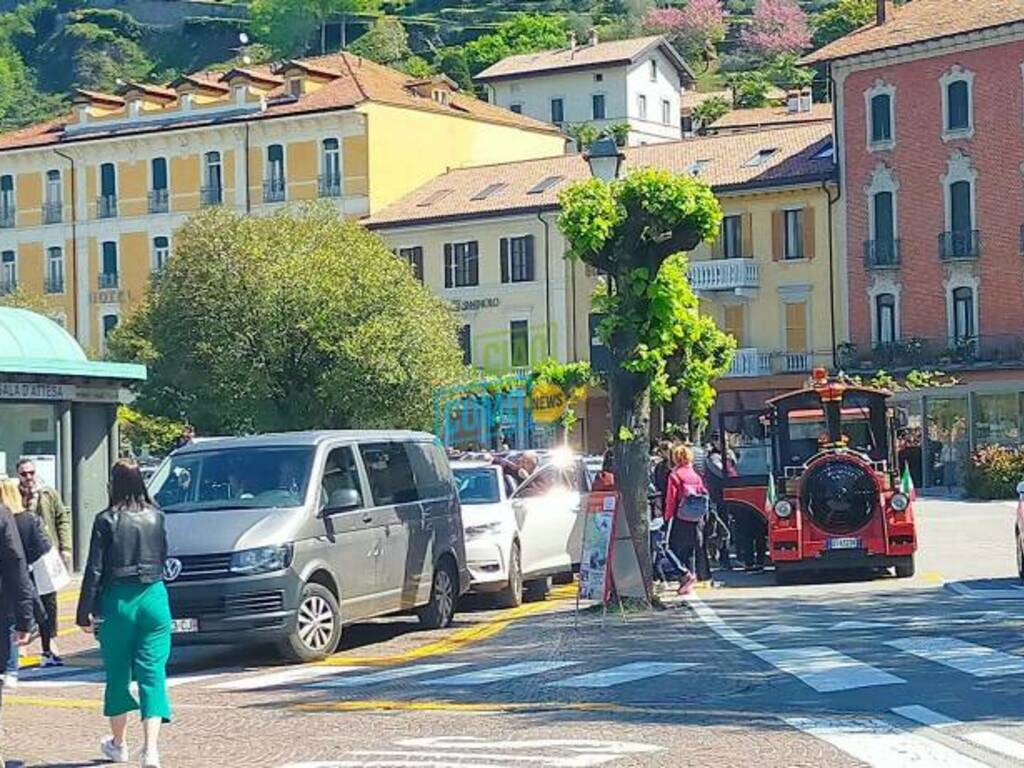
(233, 478)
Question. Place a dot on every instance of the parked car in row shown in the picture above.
(288, 537)
(519, 537)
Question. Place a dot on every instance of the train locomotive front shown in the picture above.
(834, 500)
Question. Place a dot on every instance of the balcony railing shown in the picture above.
(988, 351)
(750, 362)
(273, 191)
(53, 212)
(159, 201)
(107, 280)
(106, 206)
(330, 186)
(961, 244)
(54, 284)
(8, 287)
(7, 216)
(796, 362)
(211, 195)
(724, 274)
(881, 254)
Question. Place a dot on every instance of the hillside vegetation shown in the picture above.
(48, 47)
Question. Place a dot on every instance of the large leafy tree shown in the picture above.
(524, 33)
(288, 26)
(297, 320)
(386, 42)
(694, 30)
(778, 26)
(635, 232)
(841, 19)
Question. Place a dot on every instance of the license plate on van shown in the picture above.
(184, 626)
(848, 543)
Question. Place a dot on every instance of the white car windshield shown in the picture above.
(477, 485)
(233, 478)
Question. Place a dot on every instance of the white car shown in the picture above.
(517, 538)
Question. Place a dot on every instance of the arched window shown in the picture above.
(881, 118)
(963, 314)
(885, 318)
(958, 115)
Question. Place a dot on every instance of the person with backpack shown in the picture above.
(686, 505)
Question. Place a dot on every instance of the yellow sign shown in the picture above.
(549, 402)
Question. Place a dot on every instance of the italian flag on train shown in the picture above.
(907, 483)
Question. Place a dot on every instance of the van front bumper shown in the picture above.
(237, 609)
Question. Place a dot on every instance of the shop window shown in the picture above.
(997, 419)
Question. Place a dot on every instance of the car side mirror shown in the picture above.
(342, 500)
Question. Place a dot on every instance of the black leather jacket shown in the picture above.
(17, 595)
(126, 545)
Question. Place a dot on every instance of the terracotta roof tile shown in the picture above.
(724, 161)
(771, 117)
(919, 21)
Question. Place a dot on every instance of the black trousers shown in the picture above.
(753, 537)
(48, 620)
(684, 541)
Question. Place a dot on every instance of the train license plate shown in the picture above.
(846, 543)
(184, 626)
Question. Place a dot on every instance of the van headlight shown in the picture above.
(783, 508)
(486, 529)
(261, 560)
(900, 502)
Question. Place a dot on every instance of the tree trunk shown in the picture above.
(630, 409)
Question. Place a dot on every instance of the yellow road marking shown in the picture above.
(931, 577)
(38, 701)
(462, 637)
(387, 705)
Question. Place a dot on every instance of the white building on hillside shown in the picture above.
(623, 81)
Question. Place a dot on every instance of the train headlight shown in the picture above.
(783, 508)
(900, 502)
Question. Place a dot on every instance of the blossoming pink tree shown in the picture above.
(693, 29)
(778, 26)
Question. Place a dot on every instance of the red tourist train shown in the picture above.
(824, 480)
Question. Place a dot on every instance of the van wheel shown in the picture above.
(512, 595)
(537, 590)
(440, 611)
(905, 567)
(317, 630)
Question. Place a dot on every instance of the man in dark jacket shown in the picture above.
(17, 597)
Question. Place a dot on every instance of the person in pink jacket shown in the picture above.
(684, 538)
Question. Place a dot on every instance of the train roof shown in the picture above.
(775, 401)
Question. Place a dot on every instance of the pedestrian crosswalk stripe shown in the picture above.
(625, 673)
(976, 660)
(996, 742)
(497, 674)
(882, 745)
(386, 676)
(283, 678)
(925, 716)
(825, 669)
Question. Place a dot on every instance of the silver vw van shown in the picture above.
(288, 537)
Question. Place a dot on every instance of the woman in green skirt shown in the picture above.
(124, 602)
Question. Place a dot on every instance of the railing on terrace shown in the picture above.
(724, 274)
(881, 254)
(961, 244)
(986, 351)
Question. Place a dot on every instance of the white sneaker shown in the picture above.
(113, 752)
(11, 681)
(150, 760)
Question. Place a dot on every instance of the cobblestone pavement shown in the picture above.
(873, 672)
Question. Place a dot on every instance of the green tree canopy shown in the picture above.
(711, 110)
(841, 19)
(387, 42)
(524, 33)
(297, 320)
(289, 26)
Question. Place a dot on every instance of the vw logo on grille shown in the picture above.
(172, 568)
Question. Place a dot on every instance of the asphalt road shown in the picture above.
(874, 671)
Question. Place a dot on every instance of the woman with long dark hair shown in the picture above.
(124, 602)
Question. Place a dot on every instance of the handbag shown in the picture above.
(50, 573)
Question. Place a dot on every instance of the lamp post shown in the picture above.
(605, 159)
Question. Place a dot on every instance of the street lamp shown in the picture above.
(604, 159)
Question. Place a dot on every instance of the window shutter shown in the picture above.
(504, 256)
(448, 259)
(809, 232)
(474, 263)
(747, 235)
(530, 274)
(778, 235)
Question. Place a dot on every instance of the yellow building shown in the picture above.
(486, 238)
(89, 203)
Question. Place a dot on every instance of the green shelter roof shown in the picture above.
(33, 344)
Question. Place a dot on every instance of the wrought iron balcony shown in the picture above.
(956, 353)
(273, 191)
(106, 206)
(107, 280)
(159, 201)
(750, 362)
(724, 275)
(54, 284)
(53, 212)
(960, 244)
(330, 185)
(8, 287)
(7, 216)
(881, 254)
(211, 195)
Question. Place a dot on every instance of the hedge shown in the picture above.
(994, 471)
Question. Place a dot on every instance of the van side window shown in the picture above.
(390, 473)
(430, 469)
(340, 474)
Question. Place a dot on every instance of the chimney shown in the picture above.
(806, 100)
(592, 37)
(880, 12)
(572, 44)
(793, 102)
